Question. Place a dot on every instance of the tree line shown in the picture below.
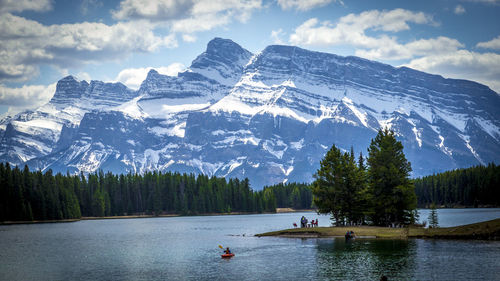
(33, 195)
(379, 192)
(470, 187)
(292, 195)
(352, 191)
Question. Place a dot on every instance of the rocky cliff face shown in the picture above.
(269, 117)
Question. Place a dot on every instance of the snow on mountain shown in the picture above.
(269, 117)
(33, 134)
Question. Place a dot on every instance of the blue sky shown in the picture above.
(45, 40)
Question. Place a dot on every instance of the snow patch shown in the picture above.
(269, 147)
(297, 145)
(361, 116)
(467, 143)
(417, 136)
(443, 148)
(132, 109)
(177, 130)
(489, 127)
(218, 132)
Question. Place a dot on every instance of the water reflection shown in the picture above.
(365, 259)
(186, 248)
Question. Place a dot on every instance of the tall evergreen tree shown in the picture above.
(339, 186)
(327, 185)
(393, 199)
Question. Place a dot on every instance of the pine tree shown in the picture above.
(393, 199)
(433, 217)
(339, 187)
(327, 186)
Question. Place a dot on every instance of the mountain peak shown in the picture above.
(152, 72)
(217, 45)
(222, 61)
(221, 50)
(68, 78)
(68, 89)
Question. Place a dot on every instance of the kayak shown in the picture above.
(226, 256)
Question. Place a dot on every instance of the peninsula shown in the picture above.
(488, 230)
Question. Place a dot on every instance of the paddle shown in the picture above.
(221, 247)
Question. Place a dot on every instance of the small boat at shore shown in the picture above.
(227, 256)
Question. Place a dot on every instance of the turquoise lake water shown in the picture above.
(186, 248)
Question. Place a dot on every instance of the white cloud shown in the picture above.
(480, 67)
(83, 76)
(351, 30)
(133, 77)
(160, 10)
(422, 47)
(303, 5)
(27, 43)
(276, 36)
(25, 5)
(188, 16)
(188, 38)
(459, 10)
(493, 44)
(26, 97)
(441, 55)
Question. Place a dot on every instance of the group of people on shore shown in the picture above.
(304, 222)
(350, 235)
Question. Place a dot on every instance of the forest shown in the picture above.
(477, 186)
(291, 195)
(32, 195)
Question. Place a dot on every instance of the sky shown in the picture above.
(42, 41)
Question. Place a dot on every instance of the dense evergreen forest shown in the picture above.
(33, 195)
(292, 195)
(471, 187)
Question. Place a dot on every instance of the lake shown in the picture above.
(186, 248)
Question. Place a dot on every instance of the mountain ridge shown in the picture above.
(269, 116)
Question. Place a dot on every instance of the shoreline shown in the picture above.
(292, 210)
(488, 230)
(132, 217)
(38, 221)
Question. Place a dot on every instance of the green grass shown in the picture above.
(483, 230)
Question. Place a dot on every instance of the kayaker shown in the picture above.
(227, 251)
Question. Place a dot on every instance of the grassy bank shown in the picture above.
(291, 210)
(484, 230)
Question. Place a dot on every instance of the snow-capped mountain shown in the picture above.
(269, 117)
(33, 134)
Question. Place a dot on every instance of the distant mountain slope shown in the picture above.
(269, 117)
